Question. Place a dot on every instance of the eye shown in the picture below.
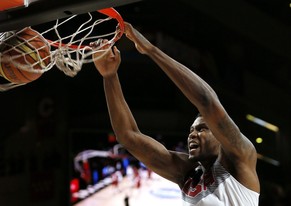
(191, 129)
(201, 129)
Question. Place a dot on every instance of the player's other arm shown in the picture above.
(238, 153)
(153, 154)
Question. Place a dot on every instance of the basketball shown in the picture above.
(28, 49)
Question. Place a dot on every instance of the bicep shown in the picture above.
(234, 144)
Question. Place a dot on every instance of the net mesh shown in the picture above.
(68, 40)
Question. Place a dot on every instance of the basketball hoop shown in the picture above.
(67, 51)
(9, 4)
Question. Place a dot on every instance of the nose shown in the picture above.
(193, 135)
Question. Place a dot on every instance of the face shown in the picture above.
(202, 144)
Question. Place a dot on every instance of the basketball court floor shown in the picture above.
(155, 191)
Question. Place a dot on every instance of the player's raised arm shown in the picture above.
(237, 154)
(153, 154)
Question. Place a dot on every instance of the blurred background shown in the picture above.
(242, 48)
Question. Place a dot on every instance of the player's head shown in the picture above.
(202, 144)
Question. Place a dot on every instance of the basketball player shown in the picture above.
(220, 167)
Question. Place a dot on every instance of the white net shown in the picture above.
(64, 43)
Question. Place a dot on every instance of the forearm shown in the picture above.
(121, 118)
(192, 86)
(144, 148)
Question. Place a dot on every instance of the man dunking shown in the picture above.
(220, 167)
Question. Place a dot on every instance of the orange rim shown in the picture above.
(110, 12)
(9, 4)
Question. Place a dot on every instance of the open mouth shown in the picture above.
(193, 146)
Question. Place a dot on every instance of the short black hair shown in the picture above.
(198, 115)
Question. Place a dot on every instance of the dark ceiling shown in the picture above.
(262, 27)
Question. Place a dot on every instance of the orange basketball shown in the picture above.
(28, 49)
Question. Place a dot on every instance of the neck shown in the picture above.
(207, 164)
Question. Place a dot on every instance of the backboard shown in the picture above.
(34, 12)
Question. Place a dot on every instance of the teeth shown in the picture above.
(193, 145)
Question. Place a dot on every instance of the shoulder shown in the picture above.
(244, 172)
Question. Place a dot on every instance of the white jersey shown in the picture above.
(217, 188)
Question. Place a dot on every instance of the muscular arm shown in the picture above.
(238, 154)
(149, 151)
(169, 164)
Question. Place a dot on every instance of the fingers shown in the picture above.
(116, 52)
(128, 30)
(126, 25)
(101, 49)
(100, 44)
